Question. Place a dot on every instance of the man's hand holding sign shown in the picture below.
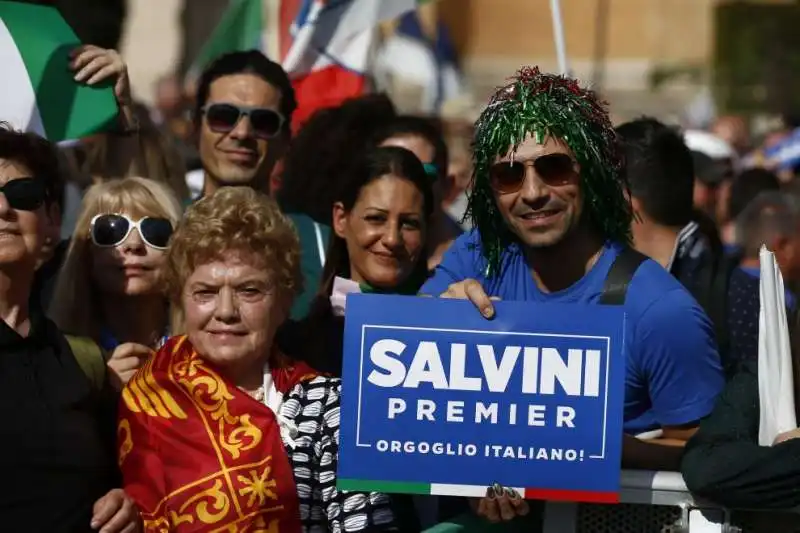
(470, 289)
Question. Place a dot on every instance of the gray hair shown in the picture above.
(772, 214)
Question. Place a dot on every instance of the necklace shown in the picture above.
(257, 395)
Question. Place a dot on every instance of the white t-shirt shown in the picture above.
(195, 180)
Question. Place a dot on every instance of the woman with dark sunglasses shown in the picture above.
(109, 287)
(58, 436)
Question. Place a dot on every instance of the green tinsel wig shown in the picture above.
(549, 105)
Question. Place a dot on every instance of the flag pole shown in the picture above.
(558, 35)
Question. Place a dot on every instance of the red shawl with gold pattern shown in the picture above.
(199, 455)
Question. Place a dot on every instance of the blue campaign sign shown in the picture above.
(438, 400)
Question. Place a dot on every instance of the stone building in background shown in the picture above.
(622, 46)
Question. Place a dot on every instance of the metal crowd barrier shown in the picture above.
(651, 502)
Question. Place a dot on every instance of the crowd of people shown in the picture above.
(173, 292)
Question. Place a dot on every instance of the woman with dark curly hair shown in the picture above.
(325, 149)
(321, 155)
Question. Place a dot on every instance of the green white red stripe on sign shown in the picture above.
(38, 92)
(433, 489)
(473, 491)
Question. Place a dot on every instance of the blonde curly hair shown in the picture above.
(234, 219)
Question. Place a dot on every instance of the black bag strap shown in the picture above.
(90, 358)
(620, 275)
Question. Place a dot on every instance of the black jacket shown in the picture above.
(724, 463)
(57, 449)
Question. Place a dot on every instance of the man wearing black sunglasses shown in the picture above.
(243, 112)
(553, 226)
(243, 117)
(59, 434)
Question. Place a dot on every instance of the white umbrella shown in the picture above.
(775, 383)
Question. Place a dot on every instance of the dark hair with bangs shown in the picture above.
(39, 156)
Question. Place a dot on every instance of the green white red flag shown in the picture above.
(325, 45)
(38, 92)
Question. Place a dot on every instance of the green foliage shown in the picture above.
(757, 57)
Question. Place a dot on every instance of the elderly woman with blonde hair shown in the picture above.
(220, 430)
(109, 288)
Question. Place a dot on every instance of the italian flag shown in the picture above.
(474, 491)
(332, 40)
(239, 29)
(38, 93)
(324, 45)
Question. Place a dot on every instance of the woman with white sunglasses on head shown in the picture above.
(109, 286)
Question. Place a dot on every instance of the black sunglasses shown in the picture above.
(113, 229)
(222, 118)
(553, 169)
(24, 194)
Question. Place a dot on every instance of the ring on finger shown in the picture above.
(498, 489)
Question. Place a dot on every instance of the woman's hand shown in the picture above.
(788, 435)
(500, 504)
(93, 64)
(125, 361)
(116, 513)
(471, 290)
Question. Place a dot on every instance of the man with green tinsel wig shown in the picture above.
(552, 216)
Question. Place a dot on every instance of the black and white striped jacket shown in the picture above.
(313, 407)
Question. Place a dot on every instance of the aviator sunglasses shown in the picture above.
(553, 169)
(112, 229)
(222, 118)
(24, 194)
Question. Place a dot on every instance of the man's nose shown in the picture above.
(5, 208)
(533, 188)
(243, 128)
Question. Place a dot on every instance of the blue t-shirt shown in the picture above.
(673, 373)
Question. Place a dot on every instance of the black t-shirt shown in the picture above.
(56, 436)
